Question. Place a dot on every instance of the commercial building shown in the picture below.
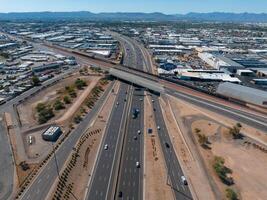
(45, 67)
(206, 75)
(243, 94)
(218, 61)
(52, 133)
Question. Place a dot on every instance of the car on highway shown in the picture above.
(139, 132)
(158, 127)
(120, 194)
(135, 113)
(183, 179)
(135, 137)
(117, 103)
(106, 147)
(137, 164)
(153, 100)
(141, 99)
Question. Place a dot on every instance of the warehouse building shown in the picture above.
(52, 134)
(45, 67)
(206, 75)
(243, 94)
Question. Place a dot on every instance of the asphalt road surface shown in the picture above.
(130, 182)
(180, 191)
(102, 182)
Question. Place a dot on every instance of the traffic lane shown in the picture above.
(130, 176)
(119, 145)
(100, 181)
(62, 154)
(172, 164)
(240, 116)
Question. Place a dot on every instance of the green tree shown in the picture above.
(231, 194)
(35, 80)
(59, 105)
(67, 100)
(40, 107)
(45, 113)
(80, 84)
(222, 171)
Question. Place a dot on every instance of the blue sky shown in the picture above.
(165, 6)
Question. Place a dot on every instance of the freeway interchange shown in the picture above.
(116, 174)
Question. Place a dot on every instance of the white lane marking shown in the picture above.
(39, 181)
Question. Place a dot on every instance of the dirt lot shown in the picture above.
(78, 176)
(27, 112)
(155, 174)
(246, 157)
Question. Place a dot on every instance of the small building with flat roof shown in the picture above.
(52, 134)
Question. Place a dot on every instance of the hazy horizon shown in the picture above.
(167, 7)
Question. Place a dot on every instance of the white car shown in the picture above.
(106, 147)
(158, 127)
(137, 164)
(183, 179)
(139, 132)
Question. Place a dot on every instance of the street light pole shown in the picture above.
(57, 168)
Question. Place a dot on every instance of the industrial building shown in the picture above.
(206, 75)
(47, 67)
(243, 94)
(52, 134)
(218, 61)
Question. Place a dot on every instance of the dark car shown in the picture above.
(120, 194)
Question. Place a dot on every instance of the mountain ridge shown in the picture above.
(137, 16)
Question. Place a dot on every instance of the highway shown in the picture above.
(133, 58)
(108, 178)
(171, 162)
(42, 183)
(130, 179)
(174, 170)
(101, 185)
(180, 191)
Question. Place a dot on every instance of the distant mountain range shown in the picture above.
(124, 16)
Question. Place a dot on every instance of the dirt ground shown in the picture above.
(78, 176)
(80, 99)
(155, 174)
(27, 112)
(246, 157)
